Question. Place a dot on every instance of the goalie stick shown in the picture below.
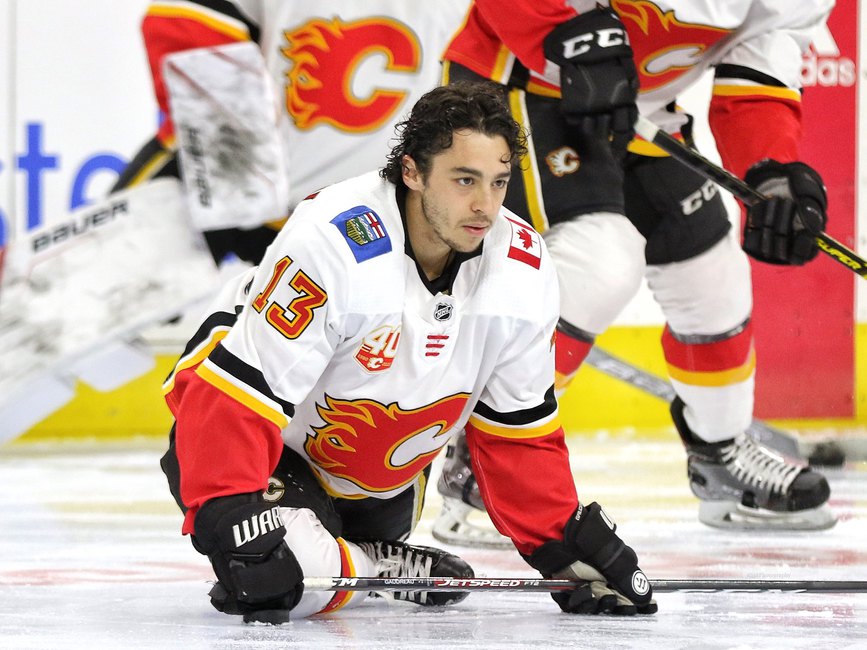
(548, 585)
(728, 181)
(659, 387)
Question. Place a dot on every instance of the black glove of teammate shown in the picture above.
(593, 553)
(258, 574)
(598, 80)
(783, 228)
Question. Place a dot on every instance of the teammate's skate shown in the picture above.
(399, 560)
(461, 500)
(744, 485)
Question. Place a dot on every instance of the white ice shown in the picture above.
(91, 557)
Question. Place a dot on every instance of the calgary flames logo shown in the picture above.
(326, 58)
(378, 447)
(563, 161)
(664, 46)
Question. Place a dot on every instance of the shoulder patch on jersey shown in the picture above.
(364, 231)
(525, 244)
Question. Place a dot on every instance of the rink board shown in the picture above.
(594, 401)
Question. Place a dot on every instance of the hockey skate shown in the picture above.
(399, 560)
(461, 503)
(744, 485)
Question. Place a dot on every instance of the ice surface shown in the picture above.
(91, 557)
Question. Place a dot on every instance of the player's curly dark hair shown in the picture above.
(474, 105)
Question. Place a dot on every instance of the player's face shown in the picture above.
(463, 192)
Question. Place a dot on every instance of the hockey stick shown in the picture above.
(659, 387)
(543, 585)
(805, 586)
(728, 181)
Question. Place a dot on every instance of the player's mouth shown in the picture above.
(477, 229)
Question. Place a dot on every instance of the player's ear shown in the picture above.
(411, 175)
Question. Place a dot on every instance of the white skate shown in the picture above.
(399, 560)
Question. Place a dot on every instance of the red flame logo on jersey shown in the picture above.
(664, 46)
(326, 57)
(377, 447)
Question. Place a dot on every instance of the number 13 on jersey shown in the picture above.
(290, 320)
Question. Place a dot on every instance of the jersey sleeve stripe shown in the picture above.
(242, 374)
(737, 80)
(493, 429)
(209, 373)
(217, 22)
(194, 357)
(523, 417)
(730, 73)
(736, 90)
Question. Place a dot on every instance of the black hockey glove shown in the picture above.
(592, 552)
(258, 574)
(598, 80)
(783, 228)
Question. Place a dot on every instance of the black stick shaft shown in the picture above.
(818, 586)
(728, 181)
(542, 585)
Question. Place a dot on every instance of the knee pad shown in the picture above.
(600, 264)
(708, 294)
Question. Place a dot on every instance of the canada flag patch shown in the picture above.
(525, 245)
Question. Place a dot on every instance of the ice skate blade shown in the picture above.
(452, 527)
(734, 516)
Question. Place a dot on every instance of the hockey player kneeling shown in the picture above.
(393, 310)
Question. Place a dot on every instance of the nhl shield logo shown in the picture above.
(443, 311)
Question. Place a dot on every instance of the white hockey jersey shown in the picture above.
(754, 46)
(674, 41)
(345, 71)
(343, 351)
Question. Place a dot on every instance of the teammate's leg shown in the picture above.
(572, 192)
(701, 279)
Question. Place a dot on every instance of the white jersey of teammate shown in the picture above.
(367, 368)
(345, 71)
(675, 42)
